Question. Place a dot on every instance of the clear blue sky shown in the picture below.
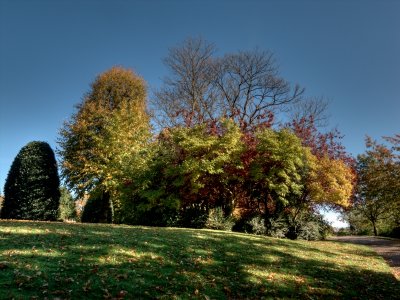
(50, 51)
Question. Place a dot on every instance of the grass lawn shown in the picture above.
(83, 261)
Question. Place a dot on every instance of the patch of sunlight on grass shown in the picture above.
(255, 274)
(32, 253)
(87, 261)
(24, 231)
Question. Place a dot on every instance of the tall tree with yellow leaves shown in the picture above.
(106, 134)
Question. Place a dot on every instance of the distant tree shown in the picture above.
(106, 136)
(243, 86)
(32, 185)
(67, 209)
(378, 186)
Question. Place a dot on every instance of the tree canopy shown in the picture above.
(378, 189)
(106, 135)
(218, 153)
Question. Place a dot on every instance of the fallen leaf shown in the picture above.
(122, 294)
(3, 265)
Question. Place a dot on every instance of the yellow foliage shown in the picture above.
(330, 181)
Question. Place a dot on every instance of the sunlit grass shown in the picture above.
(85, 261)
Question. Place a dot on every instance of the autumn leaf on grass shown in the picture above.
(69, 280)
(3, 265)
(95, 269)
(122, 276)
(106, 294)
(227, 290)
(86, 286)
(58, 292)
(122, 294)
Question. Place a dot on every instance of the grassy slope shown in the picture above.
(78, 261)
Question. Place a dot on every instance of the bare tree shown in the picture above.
(244, 86)
(188, 92)
(313, 109)
(250, 86)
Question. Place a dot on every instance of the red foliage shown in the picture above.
(321, 144)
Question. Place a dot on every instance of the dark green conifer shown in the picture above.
(31, 191)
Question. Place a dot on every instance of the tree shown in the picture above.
(193, 171)
(188, 93)
(32, 185)
(251, 89)
(330, 182)
(313, 110)
(378, 170)
(67, 209)
(105, 135)
(276, 169)
(244, 86)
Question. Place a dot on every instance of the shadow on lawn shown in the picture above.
(102, 261)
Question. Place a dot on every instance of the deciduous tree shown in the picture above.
(106, 134)
(192, 170)
(244, 86)
(378, 170)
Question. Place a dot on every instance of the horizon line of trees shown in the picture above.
(237, 147)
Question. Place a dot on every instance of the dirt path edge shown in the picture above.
(389, 249)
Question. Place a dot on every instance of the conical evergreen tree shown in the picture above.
(31, 191)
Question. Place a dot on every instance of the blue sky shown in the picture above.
(345, 50)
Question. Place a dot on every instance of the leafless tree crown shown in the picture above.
(314, 109)
(244, 86)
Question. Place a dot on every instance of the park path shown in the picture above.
(389, 249)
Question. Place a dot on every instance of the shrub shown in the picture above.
(310, 231)
(32, 185)
(217, 220)
(392, 232)
(308, 226)
(98, 208)
(192, 217)
(257, 225)
(278, 228)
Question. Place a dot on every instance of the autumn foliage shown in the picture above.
(226, 165)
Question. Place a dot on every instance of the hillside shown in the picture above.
(81, 261)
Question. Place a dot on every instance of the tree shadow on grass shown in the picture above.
(102, 261)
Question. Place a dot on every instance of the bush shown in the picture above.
(217, 220)
(392, 232)
(343, 232)
(98, 208)
(257, 225)
(192, 217)
(156, 216)
(310, 231)
(278, 228)
(308, 226)
(32, 185)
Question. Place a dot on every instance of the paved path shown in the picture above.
(389, 249)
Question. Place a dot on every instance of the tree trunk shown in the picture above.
(375, 230)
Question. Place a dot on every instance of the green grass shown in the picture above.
(75, 261)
